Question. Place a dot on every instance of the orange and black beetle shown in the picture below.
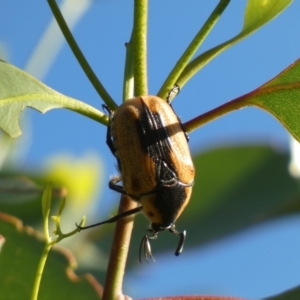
(150, 144)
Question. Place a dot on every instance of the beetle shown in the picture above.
(156, 169)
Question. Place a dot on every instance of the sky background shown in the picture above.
(255, 263)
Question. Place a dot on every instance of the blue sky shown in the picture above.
(255, 263)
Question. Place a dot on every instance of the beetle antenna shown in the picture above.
(182, 236)
(113, 219)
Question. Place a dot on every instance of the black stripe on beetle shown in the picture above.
(150, 145)
(154, 136)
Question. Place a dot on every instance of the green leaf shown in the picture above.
(293, 294)
(235, 188)
(281, 97)
(257, 14)
(261, 12)
(20, 195)
(19, 90)
(17, 189)
(19, 258)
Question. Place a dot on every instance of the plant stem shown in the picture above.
(217, 112)
(85, 110)
(139, 35)
(119, 251)
(192, 48)
(128, 87)
(80, 57)
(39, 272)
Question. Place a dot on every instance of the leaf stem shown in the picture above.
(78, 107)
(192, 48)
(118, 255)
(49, 242)
(128, 87)
(80, 57)
(252, 22)
(39, 272)
(219, 111)
(139, 40)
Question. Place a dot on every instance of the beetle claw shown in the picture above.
(180, 243)
(182, 236)
(145, 246)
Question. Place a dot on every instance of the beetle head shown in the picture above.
(145, 245)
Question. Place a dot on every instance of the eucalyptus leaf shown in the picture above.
(19, 258)
(292, 294)
(257, 14)
(281, 97)
(21, 195)
(19, 90)
(235, 188)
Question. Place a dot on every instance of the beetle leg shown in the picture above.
(109, 141)
(146, 247)
(180, 245)
(142, 243)
(186, 184)
(115, 187)
(109, 111)
(167, 178)
(174, 91)
(120, 189)
(182, 236)
(115, 218)
(112, 184)
(167, 172)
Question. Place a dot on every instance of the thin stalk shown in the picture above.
(83, 109)
(119, 251)
(249, 99)
(46, 206)
(192, 48)
(139, 43)
(128, 87)
(39, 272)
(80, 57)
(219, 111)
